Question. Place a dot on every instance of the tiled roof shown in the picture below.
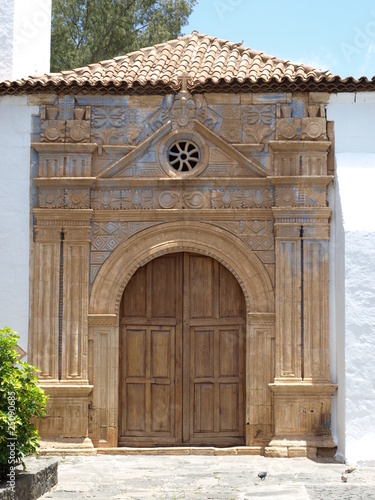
(209, 65)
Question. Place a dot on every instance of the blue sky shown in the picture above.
(338, 35)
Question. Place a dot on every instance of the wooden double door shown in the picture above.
(182, 354)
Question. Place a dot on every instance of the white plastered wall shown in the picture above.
(15, 137)
(352, 287)
(25, 32)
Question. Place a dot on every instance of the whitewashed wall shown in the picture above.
(25, 32)
(15, 130)
(353, 275)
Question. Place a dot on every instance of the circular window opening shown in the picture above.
(183, 156)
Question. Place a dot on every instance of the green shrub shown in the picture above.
(20, 400)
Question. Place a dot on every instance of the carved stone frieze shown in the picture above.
(106, 238)
(156, 198)
(289, 129)
(242, 198)
(77, 198)
(314, 129)
(258, 234)
(51, 198)
(64, 198)
(258, 123)
(53, 131)
(304, 196)
(182, 110)
(77, 131)
(65, 123)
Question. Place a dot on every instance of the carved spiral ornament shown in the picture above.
(183, 156)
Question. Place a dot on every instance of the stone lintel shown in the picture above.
(188, 183)
(299, 146)
(63, 182)
(262, 318)
(180, 214)
(103, 319)
(64, 147)
(298, 181)
(67, 390)
(61, 216)
(285, 389)
(301, 215)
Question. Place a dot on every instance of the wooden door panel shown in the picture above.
(229, 356)
(204, 408)
(135, 407)
(148, 399)
(163, 285)
(231, 300)
(229, 418)
(135, 353)
(161, 417)
(182, 353)
(201, 286)
(135, 296)
(162, 354)
(202, 353)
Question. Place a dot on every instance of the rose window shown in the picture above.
(183, 156)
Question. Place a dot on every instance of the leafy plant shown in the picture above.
(88, 31)
(20, 400)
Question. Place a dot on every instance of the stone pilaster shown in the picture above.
(75, 303)
(104, 375)
(302, 388)
(44, 334)
(260, 360)
(315, 303)
(288, 300)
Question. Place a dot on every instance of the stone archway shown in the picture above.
(105, 299)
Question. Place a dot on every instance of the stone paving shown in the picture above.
(209, 477)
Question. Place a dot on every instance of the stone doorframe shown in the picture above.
(105, 299)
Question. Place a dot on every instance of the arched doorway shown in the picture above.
(182, 354)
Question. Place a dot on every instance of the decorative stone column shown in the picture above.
(59, 338)
(76, 248)
(302, 388)
(44, 331)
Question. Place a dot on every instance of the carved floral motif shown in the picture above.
(77, 198)
(301, 196)
(258, 123)
(51, 198)
(242, 198)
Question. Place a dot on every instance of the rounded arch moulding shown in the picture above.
(196, 237)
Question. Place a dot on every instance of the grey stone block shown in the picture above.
(38, 478)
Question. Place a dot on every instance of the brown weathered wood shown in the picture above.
(182, 372)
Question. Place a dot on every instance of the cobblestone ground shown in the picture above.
(209, 477)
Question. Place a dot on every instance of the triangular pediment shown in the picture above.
(218, 157)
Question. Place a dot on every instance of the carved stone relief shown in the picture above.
(106, 238)
(258, 123)
(263, 215)
(156, 198)
(65, 123)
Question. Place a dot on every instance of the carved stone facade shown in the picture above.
(254, 198)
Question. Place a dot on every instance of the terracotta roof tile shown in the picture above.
(211, 64)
